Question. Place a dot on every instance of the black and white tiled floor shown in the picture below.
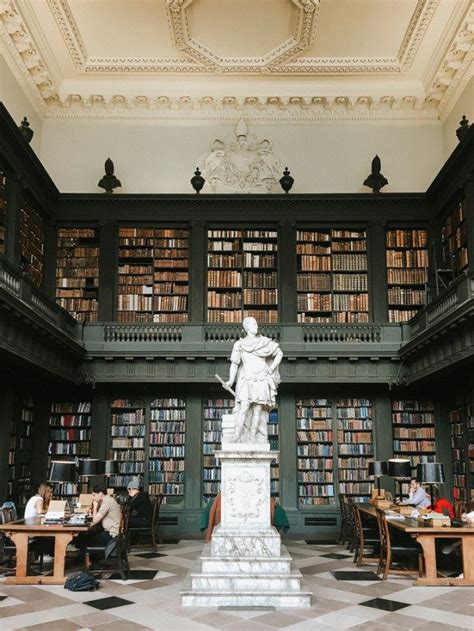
(150, 599)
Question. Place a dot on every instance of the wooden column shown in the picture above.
(383, 434)
(287, 307)
(443, 446)
(193, 449)
(100, 416)
(40, 440)
(197, 272)
(50, 253)
(287, 443)
(108, 271)
(377, 272)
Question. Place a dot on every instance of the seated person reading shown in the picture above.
(417, 497)
(105, 520)
(441, 504)
(139, 503)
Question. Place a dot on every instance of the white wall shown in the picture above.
(17, 104)
(322, 157)
(464, 105)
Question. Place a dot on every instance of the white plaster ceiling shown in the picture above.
(266, 59)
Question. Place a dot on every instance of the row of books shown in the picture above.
(406, 238)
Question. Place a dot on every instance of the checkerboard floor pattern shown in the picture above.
(151, 600)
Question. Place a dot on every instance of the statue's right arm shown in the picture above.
(232, 374)
(234, 364)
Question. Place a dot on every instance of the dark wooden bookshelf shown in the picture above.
(454, 240)
(127, 440)
(407, 272)
(3, 210)
(332, 280)
(21, 451)
(31, 241)
(77, 272)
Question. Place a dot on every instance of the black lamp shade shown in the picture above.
(62, 471)
(90, 467)
(111, 467)
(430, 472)
(399, 468)
(377, 468)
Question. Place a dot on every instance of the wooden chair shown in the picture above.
(7, 547)
(151, 530)
(347, 522)
(367, 543)
(399, 552)
(114, 553)
(459, 508)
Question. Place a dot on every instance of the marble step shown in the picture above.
(245, 598)
(237, 582)
(244, 565)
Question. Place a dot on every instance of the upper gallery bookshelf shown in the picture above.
(407, 272)
(77, 272)
(166, 449)
(242, 275)
(332, 276)
(69, 437)
(153, 275)
(31, 236)
(3, 211)
(454, 240)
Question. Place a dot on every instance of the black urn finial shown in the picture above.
(286, 182)
(463, 128)
(26, 130)
(376, 180)
(197, 181)
(109, 181)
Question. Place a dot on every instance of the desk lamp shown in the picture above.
(430, 473)
(62, 472)
(376, 470)
(89, 468)
(400, 470)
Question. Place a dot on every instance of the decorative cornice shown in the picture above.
(255, 109)
(17, 41)
(69, 30)
(456, 65)
(416, 30)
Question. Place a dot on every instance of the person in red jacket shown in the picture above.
(442, 505)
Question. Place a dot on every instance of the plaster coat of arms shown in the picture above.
(241, 163)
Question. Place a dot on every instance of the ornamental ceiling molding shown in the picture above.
(23, 57)
(203, 60)
(456, 67)
(254, 109)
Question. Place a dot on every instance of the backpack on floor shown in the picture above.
(83, 582)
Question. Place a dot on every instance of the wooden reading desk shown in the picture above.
(19, 532)
(426, 536)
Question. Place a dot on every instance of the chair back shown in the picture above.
(157, 502)
(6, 515)
(124, 515)
(459, 508)
(383, 529)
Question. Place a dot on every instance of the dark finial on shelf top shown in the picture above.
(463, 128)
(197, 181)
(26, 130)
(376, 180)
(286, 181)
(109, 181)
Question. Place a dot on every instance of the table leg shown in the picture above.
(20, 540)
(62, 540)
(468, 557)
(427, 543)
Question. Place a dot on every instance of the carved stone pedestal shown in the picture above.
(246, 564)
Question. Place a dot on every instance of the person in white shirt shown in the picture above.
(38, 504)
(417, 497)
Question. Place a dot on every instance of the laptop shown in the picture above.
(56, 512)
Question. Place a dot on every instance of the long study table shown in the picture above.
(20, 531)
(426, 536)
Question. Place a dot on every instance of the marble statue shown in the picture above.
(241, 163)
(254, 369)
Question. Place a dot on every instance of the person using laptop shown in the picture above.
(38, 504)
(417, 497)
